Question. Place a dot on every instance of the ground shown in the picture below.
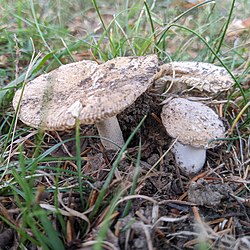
(57, 193)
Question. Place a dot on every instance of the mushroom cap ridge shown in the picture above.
(193, 123)
(102, 90)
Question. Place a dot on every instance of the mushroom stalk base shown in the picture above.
(190, 159)
(110, 129)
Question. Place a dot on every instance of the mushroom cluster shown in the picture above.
(95, 94)
(195, 125)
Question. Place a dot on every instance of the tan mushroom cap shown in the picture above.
(98, 91)
(193, 123)
(199, 75)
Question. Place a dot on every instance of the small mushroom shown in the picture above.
(180, 76)
(196, 126)
(91, 93)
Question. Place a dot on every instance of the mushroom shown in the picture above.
(91, 93)
(196, 127)
(179, 76)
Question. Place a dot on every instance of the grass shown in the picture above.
(56, 199)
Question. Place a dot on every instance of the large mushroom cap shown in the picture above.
(193, 123)
(98, 91)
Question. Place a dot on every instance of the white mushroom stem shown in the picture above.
(110, 129)
(189, 159)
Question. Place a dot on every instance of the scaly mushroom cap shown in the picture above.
(199, 75)
(98, 91)
(193, 123)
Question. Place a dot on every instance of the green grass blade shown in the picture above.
(53, 238)
(150, 19)
(112, 171)
(40, 32)
(191, 9)
(103, 24)
(106, 222)
(225, 30)
(79, 160)
(135, 179)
